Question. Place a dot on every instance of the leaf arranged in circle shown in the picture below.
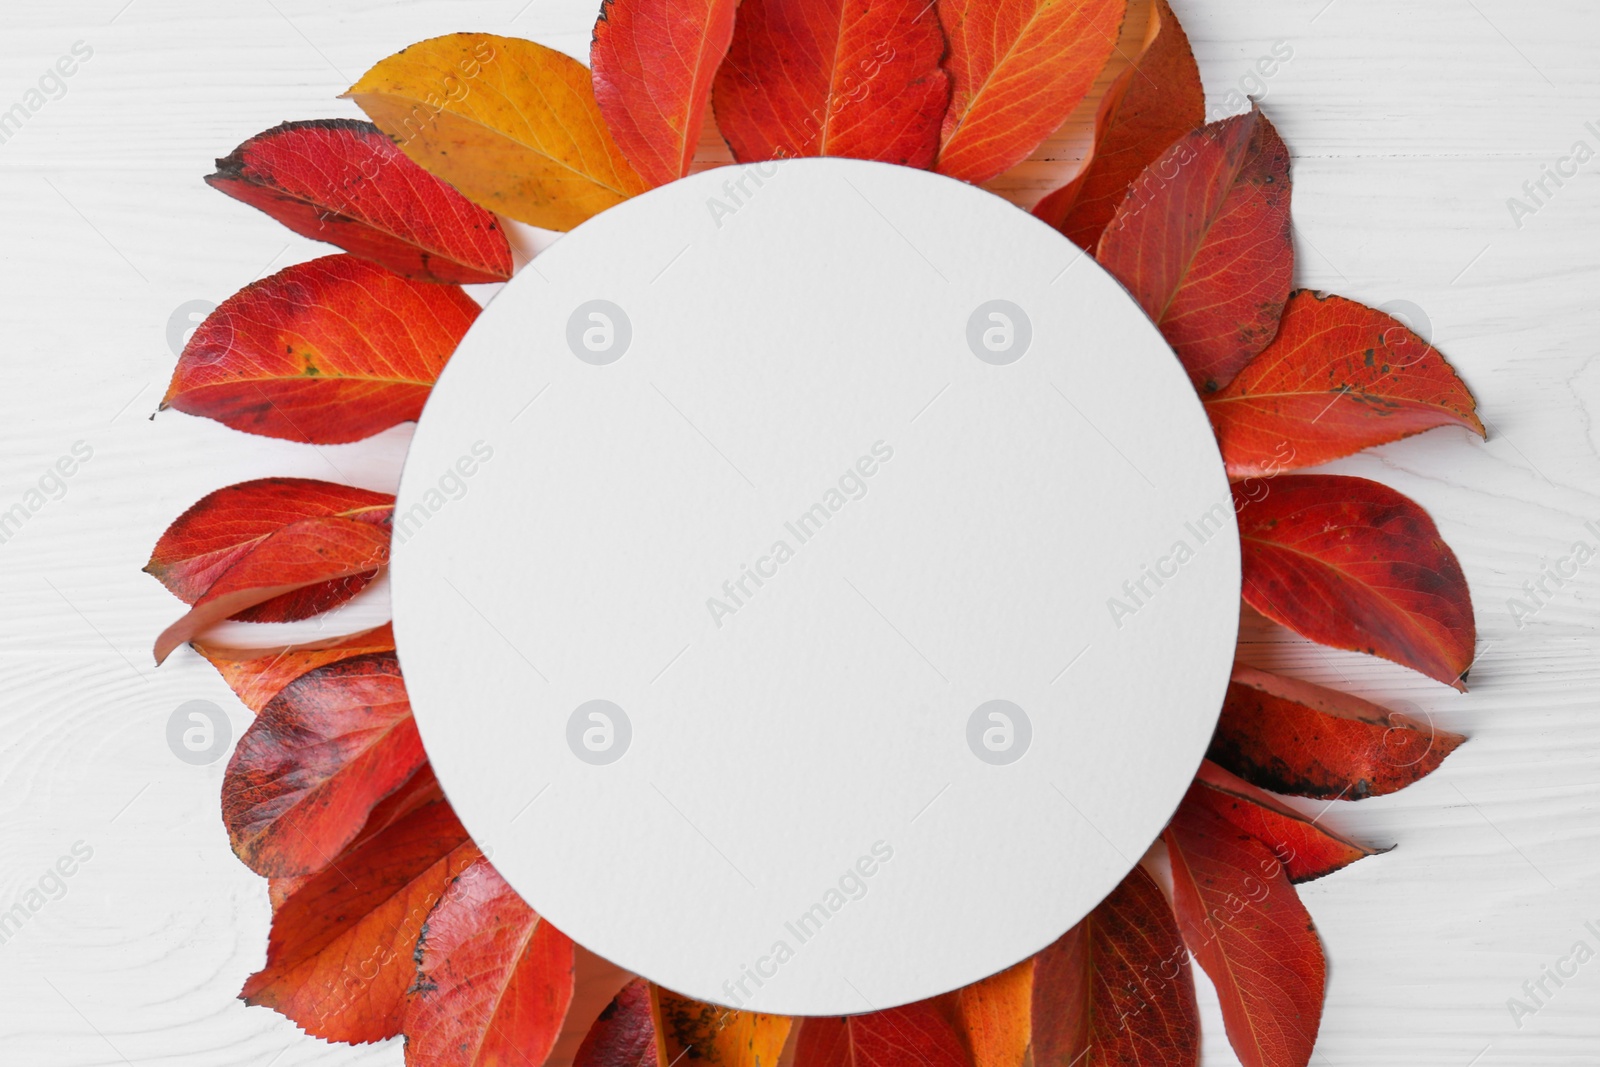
(317, 760)
(1294, 737)
(344, 182)
(1339, 377)
(1017, 69)
(1353, 564)
(1116, 988)
(256, 675)
(493, 982)
(325, 352)
(340, 955)
(511, 124)
(1306, 849)
(652, 63)
(311, 552)
(832, 78)
(1203, 243)
(625, 1033)
(1243, 921)
(995, 1016)
(922, 1034)
(716, 1036)
(1154, 102)
(223, 526)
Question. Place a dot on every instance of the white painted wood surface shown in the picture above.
(1411, 125)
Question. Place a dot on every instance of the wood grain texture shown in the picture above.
(1410, 125)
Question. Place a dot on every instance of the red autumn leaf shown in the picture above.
(302, 554)
(1116, 988)
(1017, 69)
(1294, 737)
(1353, 564)
(1306, 849)
(1243, 921)
(257, 675)
(493, 979)
(310, 769)
(652, 63)
(831, 78)
(625, 1033)
(325, 352)
(915, 1035)
(223, 526)
(1339, 377)
(1155, 101)
(344, 182)
(339, 959)
(1202, 241)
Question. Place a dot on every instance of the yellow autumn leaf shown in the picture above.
(512, 124)
(718, 1037)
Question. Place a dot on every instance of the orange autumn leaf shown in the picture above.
(714, 1035)
(1244, 922)
(339, 959)
(1155, 101)
(256, 675)
(1202, 241)
(1353, 564)
(1017, 69)
(652, 63)
(511, 124)
(309, 771)
(996, 1018)
(325, 352)
(494, 979)
(1294, 737)
(832, 78)
(1339, 377)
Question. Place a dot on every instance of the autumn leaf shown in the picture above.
(716, 1036)
(1243, 921)
(1116, 988)
(256, 675)
(1017, 69)
(1339, 377)
(914, 1035)
(511, 124)
(995, 1016)
(1155, 101)
(1202, 241)
(339, 959)
(320, 756)
(1353, 564)
(220, 528)
(832, 78)
(305, 553)
(1305, 847)
(493, 979)
(344, 182)
(324, 352)
(1294, 737)
(652, 63)
(625, 1033)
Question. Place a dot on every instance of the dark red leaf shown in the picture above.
(625, 1033)
(344, 182)
(1245, 924)
(325, 352)
(1351, 563)
(831, 78)
(1294, 737)
(1202, 241)
(916, 1035)
(1155, 101)
(1305, 847)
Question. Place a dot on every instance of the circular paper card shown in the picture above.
(816, 584)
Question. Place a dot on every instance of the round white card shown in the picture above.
(816, 584)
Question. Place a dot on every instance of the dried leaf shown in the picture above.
(344, 182)
(512, 124)
(625, 1033)
(915, 1035)
(716, 1036)
(324, 352)
(1305, 847)
(257, 675)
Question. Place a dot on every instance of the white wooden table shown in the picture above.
(1411, 126)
